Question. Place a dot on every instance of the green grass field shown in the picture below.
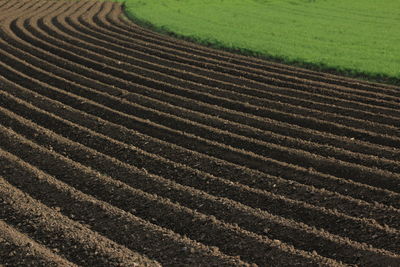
(359, 37)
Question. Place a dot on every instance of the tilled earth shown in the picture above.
(123, 147)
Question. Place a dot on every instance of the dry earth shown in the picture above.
(123, 147)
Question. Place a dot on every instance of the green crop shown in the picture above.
(360, 37)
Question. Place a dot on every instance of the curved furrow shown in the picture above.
(223, 169)
(91, 110)
(18, 249)
(121, 58)
(99, 215)
(16, 7)
(300, 118)
(4, 4)
(278, 141)
(325, 216)
(189, 60)
(232, 211)
(301, 174)
(243, 221)
(391, 154)
(215, 121)
(111, 133)
(96, 38)
(120, 20)
(387, 180)
(312, 89)
(247, 64)
(286, 130)
(11, 6)
(47, 225)
(151, 208)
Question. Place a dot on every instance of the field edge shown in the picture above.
(349, 73)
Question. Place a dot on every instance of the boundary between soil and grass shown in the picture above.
(347, 72)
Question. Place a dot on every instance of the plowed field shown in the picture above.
(123, 147)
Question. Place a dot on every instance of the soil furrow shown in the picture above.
(324, 215)
(17, 249)
(69, 38)
(387, 180)
(174, 109)
(215, 92)
(305, 176)
(299, 119)
(71, 239)
(13, 6)
(243, 63)
(369, 163)
(312, 95)
(122, 21)
(151, 208)
(120, 146)
(101, 216)
(328, 167)
(16, 7)
(127, 44)
(230, 211)
(219, 168)
(95, 37)
(392, 154)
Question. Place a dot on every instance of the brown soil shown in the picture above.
(123, 147)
